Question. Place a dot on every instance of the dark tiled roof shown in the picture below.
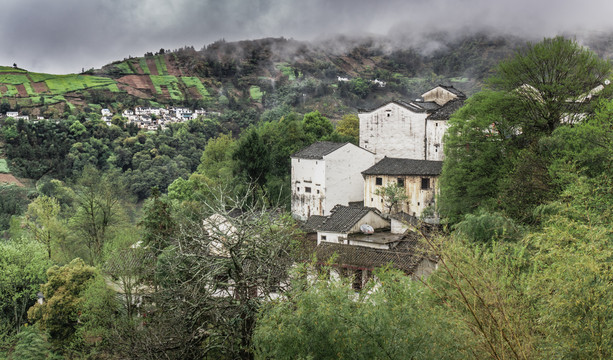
(445, 112)
(318, 150)
(397, 166)
(430, 106)
(454, 91)
(405, 218)
(405, 257)
(314, 222)
(342, 218)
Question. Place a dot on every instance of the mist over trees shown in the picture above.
(177, 243)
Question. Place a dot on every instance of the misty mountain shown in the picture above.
(334, 75)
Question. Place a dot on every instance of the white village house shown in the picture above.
(325, 174)
(410, 130)
(404, 139)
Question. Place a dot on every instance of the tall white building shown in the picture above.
(325, 174)
(410, 130)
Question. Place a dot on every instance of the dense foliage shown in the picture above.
(174, 244)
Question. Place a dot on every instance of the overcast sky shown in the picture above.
(64, 36)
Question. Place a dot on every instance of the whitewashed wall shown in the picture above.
(344, 181)
(308, 173)
(393, 131)
(435, 129)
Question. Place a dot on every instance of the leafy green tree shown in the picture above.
(216, 161)
(553, 80)
(23, 266)
(501, 130)
(316, 126)
(59, 313)
(349, 126)
(98, 316)
(393, 195)
(14, 203)
(158, 223)
(252, 158)
(32, 345)
(99, 210)
(572, 285)
(43, 221)
(327, 319)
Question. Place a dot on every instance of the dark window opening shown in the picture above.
(318, 191)
(425, 183)
(323, 237)
(378, 181)
(307, 189)
(400, 182)
(297, 189)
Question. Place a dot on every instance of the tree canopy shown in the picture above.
(496, 148)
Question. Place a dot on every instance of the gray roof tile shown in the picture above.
(342, 218)
(398, 166)
(445, 112)
(318, 150)
(405, 257)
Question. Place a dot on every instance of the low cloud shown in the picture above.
(64, 36)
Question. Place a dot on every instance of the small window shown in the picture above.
(388, 114)
(297, 189)
(378, 181)
(425, 183)
(323, 237)
(400, 182)
(318, 191)
(307, 189)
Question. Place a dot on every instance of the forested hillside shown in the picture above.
(260, 74)
(117, 242)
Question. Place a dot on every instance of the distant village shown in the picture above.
(148, 118)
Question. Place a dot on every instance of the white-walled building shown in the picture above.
(343, 227)
(325, 174)
(411, 130)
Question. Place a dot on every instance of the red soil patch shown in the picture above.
(152, 68)
(137, 68)
(132, 91)
(165, 92)
(3, 89)
(10, 179)
(194, 93)
(21, 89)
(138, 82)
(172, 68)
(40, 87)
